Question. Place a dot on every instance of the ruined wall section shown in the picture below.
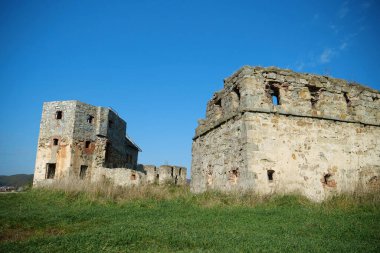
(171, 174)
(86, 125)
(305, 95)
(143, 175)
(118, 146)
(314, 157)
(219, 158)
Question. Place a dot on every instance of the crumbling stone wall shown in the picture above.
(143, 175)
(273, 130)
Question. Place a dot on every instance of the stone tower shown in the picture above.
(273, 130)
(75, 138)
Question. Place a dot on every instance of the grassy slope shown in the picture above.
(42, 221)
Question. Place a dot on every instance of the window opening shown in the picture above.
(110, 123)
(55, 142)
(90, 118)
(274, 92)
(58, 115)
(314, 95)
(83, 171)
(234, 175)
(327, 179)
(270, 174)
(108, 151)
(236, 90)
(348, 101)
(50, 170)
(172, 172)
(88, 143)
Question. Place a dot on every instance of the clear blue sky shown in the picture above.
(157, 63)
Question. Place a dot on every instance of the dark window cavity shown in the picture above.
(172, 172)
(88, 143)
(218, 103)
(90, 119)
(83, 171)
(270, 174)
(236, 90)
(58, 115)
(327, 178)
(314, 95)
(110, 123)
(108, 151)
(348, 101)
(50, 170)
(274, 92)
(55, 142)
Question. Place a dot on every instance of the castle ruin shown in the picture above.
(276, 131)
(85, 142)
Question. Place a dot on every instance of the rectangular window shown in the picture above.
(270, 174)
(88, 143)
(83, 171)
(274, 92)
(55, 142)
(58, 115)
(107, 153)
(50, 170)
(90, 119)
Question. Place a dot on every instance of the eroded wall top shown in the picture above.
(274, 90)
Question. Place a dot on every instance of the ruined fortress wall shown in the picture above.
(172, 174)
(320, 138)
(219, 156)
(119, 176)
(145, 174)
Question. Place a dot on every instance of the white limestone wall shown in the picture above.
(302, 151)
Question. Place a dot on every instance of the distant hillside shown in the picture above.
(16, 180)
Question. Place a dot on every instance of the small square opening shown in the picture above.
(55, 142)
(58, 115)
(87, 144)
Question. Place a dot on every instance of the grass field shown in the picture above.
(172, 220)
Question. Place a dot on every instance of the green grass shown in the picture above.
(59, 221)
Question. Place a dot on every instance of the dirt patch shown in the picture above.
(22, 234)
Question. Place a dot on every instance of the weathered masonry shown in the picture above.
(272, 130)
(81, 141)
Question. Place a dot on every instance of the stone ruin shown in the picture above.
(276, 131)
(85, 142)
